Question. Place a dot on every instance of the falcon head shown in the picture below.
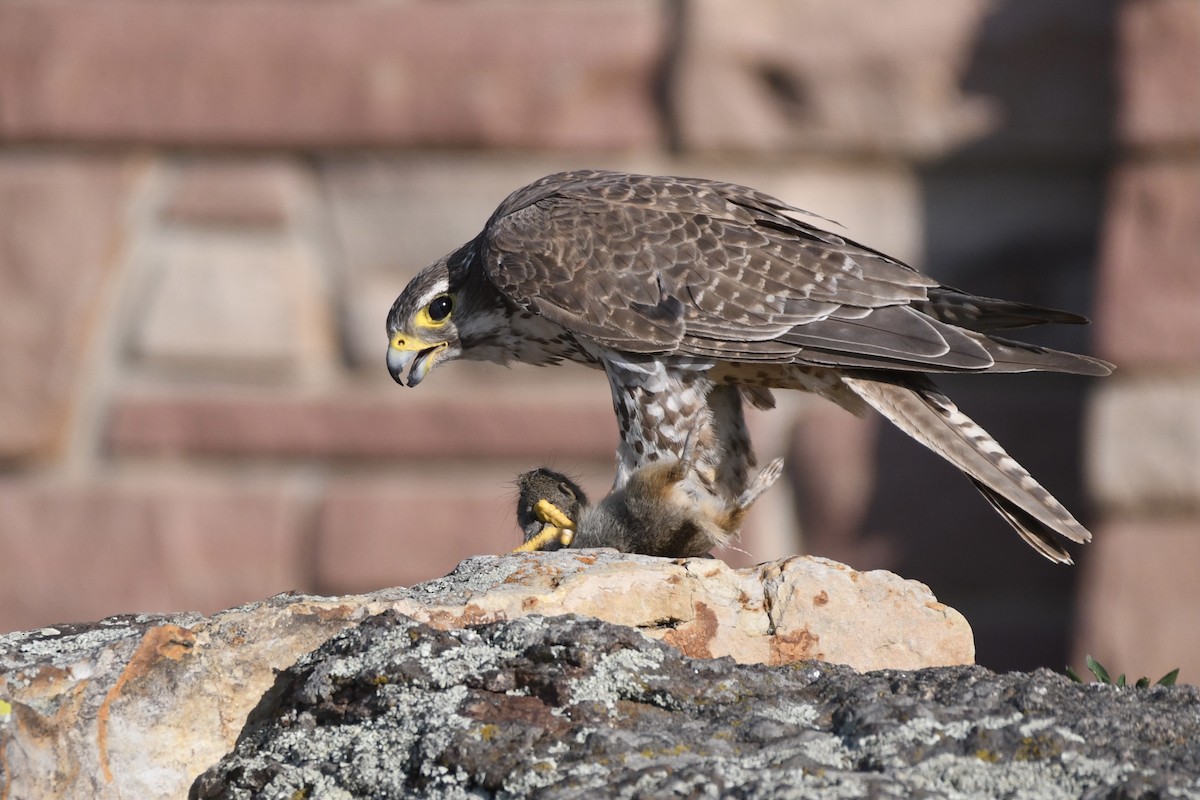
(443, 314)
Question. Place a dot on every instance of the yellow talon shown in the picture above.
(559, 527)
(547, 535)
(550, 514)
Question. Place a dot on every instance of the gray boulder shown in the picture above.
(566, 707)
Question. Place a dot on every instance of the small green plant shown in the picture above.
(1097, 669)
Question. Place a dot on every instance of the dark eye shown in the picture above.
(440, 307)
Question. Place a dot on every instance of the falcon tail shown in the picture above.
(914, 405)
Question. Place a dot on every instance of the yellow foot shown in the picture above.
(559, 528)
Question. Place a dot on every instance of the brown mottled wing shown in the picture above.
(693, 267)
(564, 251)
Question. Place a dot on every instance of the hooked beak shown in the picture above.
(405, 353)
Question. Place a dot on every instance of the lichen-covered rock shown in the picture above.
(138, 706)
(571, 708)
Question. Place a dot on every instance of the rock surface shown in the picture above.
(138, 706)
(569, 708)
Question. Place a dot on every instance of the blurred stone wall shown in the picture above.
(207, 208)
(1141, 596)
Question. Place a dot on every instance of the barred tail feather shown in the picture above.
(915, 405)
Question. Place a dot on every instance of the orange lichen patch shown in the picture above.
(440, 618)
(46, 681)
(327, 613)
(748, 603)
(37, 731)
(586, 559)
(794, 646)
(470, 614)
(161, 642)
(474, 615)
(693, 638)
(530, 568)
(821, 598)
(5, 771)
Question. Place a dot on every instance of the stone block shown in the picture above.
(1159, 59)
(277, 73)
(249, 304)
(1144, 435)
(258, 193)
(1137, 605)
(916, 78)
(1149, 293)
(60, 230)
(81, 551)
(408, 424)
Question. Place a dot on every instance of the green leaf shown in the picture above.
(1073, 675)
(1169, 678)
(1098, 670)
(1142, 683)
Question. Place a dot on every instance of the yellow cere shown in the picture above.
(400, 342)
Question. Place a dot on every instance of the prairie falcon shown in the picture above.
(696, 295)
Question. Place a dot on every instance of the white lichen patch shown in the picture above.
(615, 677)
(891, 747)
(790, 713)
(963, 777)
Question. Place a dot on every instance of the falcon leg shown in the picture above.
(559, 528)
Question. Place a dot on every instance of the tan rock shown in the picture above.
(137, 707)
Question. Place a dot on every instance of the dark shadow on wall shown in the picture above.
(1016, 214)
